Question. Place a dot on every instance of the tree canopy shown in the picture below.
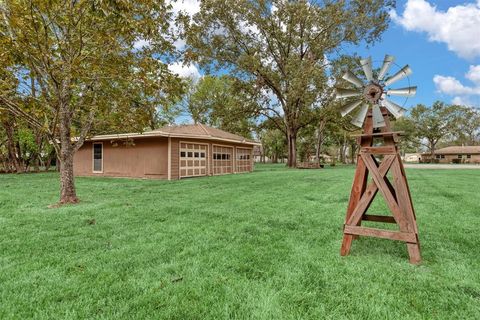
(280, 49)
(87, 73)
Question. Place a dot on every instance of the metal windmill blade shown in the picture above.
(373, 93)
(387, 62)
(346, 109)
(405, 92)
(345, 93)
(367, 68)
(394, 108)
(353, 79)
(404, 72)
(361, 115)
(377, 116)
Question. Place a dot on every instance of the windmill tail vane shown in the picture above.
(373, 92)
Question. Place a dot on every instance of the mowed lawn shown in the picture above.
(251, 246)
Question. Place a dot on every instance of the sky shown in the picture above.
(440, 40)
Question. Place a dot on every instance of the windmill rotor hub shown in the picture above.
(372, 93)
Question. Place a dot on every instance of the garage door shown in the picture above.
(193, 160)
(244, 160)
(222, 160)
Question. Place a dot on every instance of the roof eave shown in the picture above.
(165, 134)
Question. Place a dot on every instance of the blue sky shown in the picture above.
(440, 40)
(428, 36)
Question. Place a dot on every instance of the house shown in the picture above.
(455, 154)
(172, 152)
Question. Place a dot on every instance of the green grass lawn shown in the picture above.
(252, 246)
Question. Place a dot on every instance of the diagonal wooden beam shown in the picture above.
(385, 191)
(370, 191)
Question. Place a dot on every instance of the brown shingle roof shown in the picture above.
(459, 150)
(198, 131)
(201, 130)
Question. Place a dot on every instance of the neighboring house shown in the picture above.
(455, 154)
(172, 152)
(412, 157)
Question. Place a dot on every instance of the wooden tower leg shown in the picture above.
(358, 187)
(396, 194)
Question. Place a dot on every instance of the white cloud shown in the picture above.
(185, 71)
(473, 73)
(458, 27)
(463, 93)
(462, 101)
(139, 44)
(452, 86)
(189, 7)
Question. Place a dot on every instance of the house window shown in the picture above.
(437, 156)
(442, 156)
(469, 156)
(459, 156)
(97, 157)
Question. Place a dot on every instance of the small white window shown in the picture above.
(97, 157)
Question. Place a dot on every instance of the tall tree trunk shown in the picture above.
(344, 149)
(8, 124)
(292, 148)
(67, 181)
(320, 139)
(432, 151)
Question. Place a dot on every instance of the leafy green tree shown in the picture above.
(279, 48)
(274, 144)
(87, 72)
(433, 124)
(409, 141)
(468, 130)
(217, 102)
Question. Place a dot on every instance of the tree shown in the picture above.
(81, 56)
(279, 47)
(217, 102)
(468, 129)
(433, 124)
(274, 144)
(409, 141)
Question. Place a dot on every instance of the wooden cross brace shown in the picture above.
(396, 195)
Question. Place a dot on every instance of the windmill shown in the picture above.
(374, 92)
(370, 100)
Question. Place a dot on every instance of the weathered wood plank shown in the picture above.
(369, 193)
(379, 233)
(378, 218)
(385, 191)
(379, 134)
(359, 182)
(379, 150)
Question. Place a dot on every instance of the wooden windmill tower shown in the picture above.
(378, 155)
